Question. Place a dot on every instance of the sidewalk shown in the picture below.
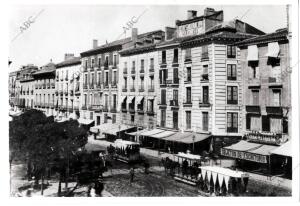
(273, 180)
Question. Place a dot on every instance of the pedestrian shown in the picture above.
(131, 172)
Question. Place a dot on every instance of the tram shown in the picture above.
(126, 151)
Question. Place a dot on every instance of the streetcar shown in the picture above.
(125, 151)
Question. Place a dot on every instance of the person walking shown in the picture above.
(131, 172)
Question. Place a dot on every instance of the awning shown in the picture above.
(196, 137)
(188, 156)
(273, 50)
(225, 171)
(85, 121)
(137, 132)
(162, 134)
(248, 151)
(122, 98)
(139, 99)
(252, 53)
(101, 127)
(117, 128)
(151, 132)
(177, 136)
(284, 150)
(130, 98)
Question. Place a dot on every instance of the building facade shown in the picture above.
(101, 88)
(200, 83)
(13, 82)
(67, 90)
(44, 80)
(138, 80)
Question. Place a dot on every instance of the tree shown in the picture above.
(41, 142)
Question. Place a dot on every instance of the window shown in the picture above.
(163, 57)
(175, 76)
(152, 64)
(204, 54)
(163, 96)
(105, 118)
(106, 62)
(188, 55)
(188, 117)
(98, 78)
(98, 120)
(92, 78)
(205, 95)
(99, 62)
(231, 72)
(115, 60)
(114, 78)
(205, 121)
(133, 66)
(163, 75)
(125, 82)
(205, 72)
(85, 79)
(175, 57)
(232, 122)
(255, 97)
(175, 97)
(86, 63)
(132, 119)
(232, 95)
(85, 99)
(175, 119)
(276, 97)
(163, 118)
(142, 84)
(151, 83)
(188, 74)
(265, 123)
(114, 101)
(93, 63)
(142, 65)
(231, 51)
(254, 69)
(106, 78)
(114, 118)
(91, 115)
(188, 95)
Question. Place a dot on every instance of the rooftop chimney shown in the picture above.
(134, 34)
(170, 32)
(68, 56)
(95, 43)
(208, 11)
(191, 14)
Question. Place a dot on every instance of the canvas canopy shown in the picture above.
(252, 53)
(151, 132)
(162, 134)
(189, 156)
(85, 121)
(273, 50)
(284, 150)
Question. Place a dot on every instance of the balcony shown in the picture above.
(174, 103)
(188, 104)
(204, 56)
(276, 110)
(188, 58)
(204, 77)
(132, 89)
(125, 71)
(230, 101)
(131, 110)
(150, 112)
(141, 89)
(96, 107)
(85, 86)
(114, 84)
(204, 104)
(151, 69)
(113, 110)
(133, 71)
(142, 71)
(253, 109)
(274, 81)
(151, 89)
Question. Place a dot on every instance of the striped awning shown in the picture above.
(139, 99)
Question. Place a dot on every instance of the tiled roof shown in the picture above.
(119, 42)
(69, 62)
(278, 35)
(221, 35)
(140, 49)
(48, 68)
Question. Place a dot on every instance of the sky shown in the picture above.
(71, 28)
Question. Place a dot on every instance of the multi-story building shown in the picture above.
(12, 88)
(100, 79)
(138, 79)
(266, 120)
(27, 86)
(67, 90)
(200, 81)
(44, 80)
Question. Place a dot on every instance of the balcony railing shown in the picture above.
(174, 103)
(188, 103)
(176, 81)
(253, 109)
(114, 83)
(277, 110)
(92, 85)
(204, 77)
(265, 137)
(187, 58)
(204, 56)
(204, 103)
(96, 107)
